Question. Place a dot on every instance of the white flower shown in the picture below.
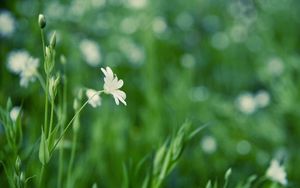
(136, 4)
(20, 62)
(7, 24)
(262, 99)
(209, 144)
(275, 66)
(112, 86)
(14, 113)
(134, 53)
(28, 74)
(159, 25)
(276, 173)
(17, 61)
(94, 98)
(246, 103)
(91, 52)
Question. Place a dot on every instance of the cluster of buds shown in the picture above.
(53, 85)
(50, 49)
(19, 176)
(49, 55)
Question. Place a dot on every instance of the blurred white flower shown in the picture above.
(208, 144)
(275, 66)
(132, 51)
(29, 73)
(220, 40)
(7, 24)
(184, 21)
(238, 33)
(14, 113)
(159, 25)
(20, 62)
(199, 93)
(91, 52)
(188, 61)
(112, 85)
(276, 173)
(98, 3)
(262, 99)
(129, 25)
(137, 4)
(94, 98)
(246, 103)
(77, 8)
(56, 10)
(243, 147)
(17, 61)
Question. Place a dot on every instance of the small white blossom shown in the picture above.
(134, 52)
(21, 63)
(17, 61)
(275, 66)
(276, 173)
(14, 113)
(220, 40)
(94, 98)
(136, 4)
(7, 24)
(246, 103)
(188, 61)
(29, 72)
(112, 85)
(159, 25)
(209, 144)
(243, 147)
(262, 99)
(91, 52)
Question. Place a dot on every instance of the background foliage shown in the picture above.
(192, 59)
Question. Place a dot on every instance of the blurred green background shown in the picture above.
(233, 64)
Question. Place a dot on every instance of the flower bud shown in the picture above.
(76, 104)
(22, 177)
(53, 40)
(48, 52)
(42, 21)
(227, 174)
(63, 59)
(18, 164)
(53, 84)
(44, 155)
(50, 58)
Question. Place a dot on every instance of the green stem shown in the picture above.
(43, 41)
(51, 116)
(41, 175)
(60, 167)
(47, 85)
(74, 145)
(61, 149)
(71, 121)
(46, 108)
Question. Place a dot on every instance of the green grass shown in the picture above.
(185, 64)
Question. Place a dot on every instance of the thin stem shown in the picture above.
(47, 85)
(46, 109)
(43, 41)
(60, 167)
(41, 175)
(63, 120)
(51, 116)
(71, 121)
(74, 145)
